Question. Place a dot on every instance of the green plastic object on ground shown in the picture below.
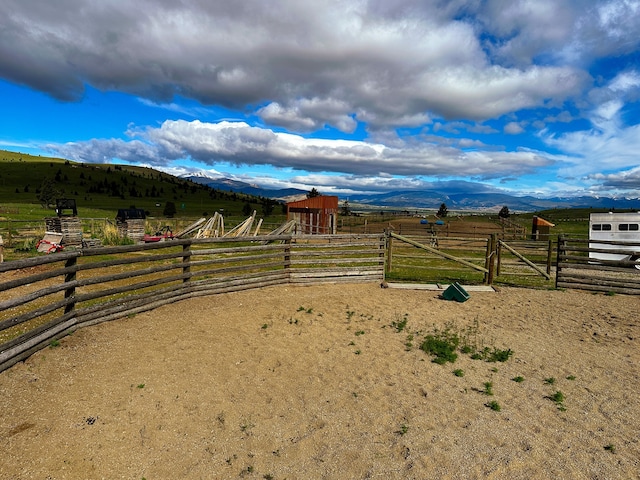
(455, 292)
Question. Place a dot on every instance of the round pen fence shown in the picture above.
(49, 296)
(45, 298)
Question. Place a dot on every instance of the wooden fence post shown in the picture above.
(389, 251)
(1, 250)
(560, 252)
(70, 292)
(549, 255)
(490, 259)
(287, 255)
(186, 262)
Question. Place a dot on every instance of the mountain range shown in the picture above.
(429, 199)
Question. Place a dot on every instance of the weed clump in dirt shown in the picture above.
(442, 344)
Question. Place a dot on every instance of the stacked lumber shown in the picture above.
(69, 227)
(132, 228)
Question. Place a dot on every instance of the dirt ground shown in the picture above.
(302, 382)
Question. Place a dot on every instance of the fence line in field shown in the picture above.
(47, 297)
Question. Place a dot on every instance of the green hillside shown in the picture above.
(27, 182)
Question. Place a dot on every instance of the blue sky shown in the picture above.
(529, 97)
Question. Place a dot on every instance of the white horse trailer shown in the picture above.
(615, 231)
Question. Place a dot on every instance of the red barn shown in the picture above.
(315, 215)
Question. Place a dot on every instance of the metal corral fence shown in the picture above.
(45, 298)
(578, 266)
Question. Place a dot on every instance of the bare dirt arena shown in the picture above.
(317, 382)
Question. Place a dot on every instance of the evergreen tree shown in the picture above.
(346, 209)
(169, 209)
(442, 211)
(313, 193)
(504, 212)
(268, 206)
(47, 193)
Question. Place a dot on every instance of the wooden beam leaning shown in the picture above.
(439, 253)
(528, 262)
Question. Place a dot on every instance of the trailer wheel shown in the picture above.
(636, 259)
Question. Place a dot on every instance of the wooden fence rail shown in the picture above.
(537, 256)
(45, 298)
(576, 269)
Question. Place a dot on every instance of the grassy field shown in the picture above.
(100, 190)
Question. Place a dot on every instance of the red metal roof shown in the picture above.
(541, 222)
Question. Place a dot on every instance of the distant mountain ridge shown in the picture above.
(237, 186)
(430, 199)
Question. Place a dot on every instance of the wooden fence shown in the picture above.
(435, 259)
(445, 259)
(47, 297)
(575, 268)
(522, 258)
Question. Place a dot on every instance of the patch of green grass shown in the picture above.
(518, 379)
(359, 332)
(54, 344)
(571, 377)
(408, 344)
(458, 372)
(610, 448)
(404, 428)
(400, 323)
(140, 385)
(442, 345)
(558, 398)
(550, 381)
(493, 405)
(498, 355)
(265, 326)
(488, 388)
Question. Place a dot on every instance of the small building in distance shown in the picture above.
(540, 229)
(315, 215)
